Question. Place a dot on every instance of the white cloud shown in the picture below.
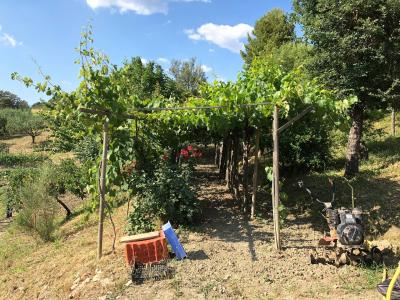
(224, 36)
(8, 39)
(163, 60)
(211, 50)
(140, 7)
(206, 68)
(144, 61)
(204, 1)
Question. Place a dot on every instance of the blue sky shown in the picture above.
(47, 31)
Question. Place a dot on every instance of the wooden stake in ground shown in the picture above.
(255, 175)
(102, 190)
(275, 182)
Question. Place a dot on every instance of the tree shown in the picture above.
(189, 75)
(353, 43)
(22, 121)
(290, 55)
(393, 93)
(10, 100)
(271, 31)
(147, 80)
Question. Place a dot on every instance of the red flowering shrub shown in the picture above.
(185, 153)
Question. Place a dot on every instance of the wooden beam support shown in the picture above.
(255, 175)
(102, 199)
(296, 118)
(275, 182)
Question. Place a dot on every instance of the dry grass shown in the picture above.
(23, 143)
(34, 270)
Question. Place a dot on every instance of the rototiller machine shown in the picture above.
(345, 242)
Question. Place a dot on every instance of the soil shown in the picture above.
(231, 257)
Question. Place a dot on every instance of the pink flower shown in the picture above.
(197, 153)
(185, 153)
(189, 148)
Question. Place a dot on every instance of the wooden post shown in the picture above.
(102, 190)
(255, 175)
(393, 121)
(275, 182)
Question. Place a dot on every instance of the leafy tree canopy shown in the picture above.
(10, 100)
(355, 44)
(189, 75)
(271, 31)
(356, 51)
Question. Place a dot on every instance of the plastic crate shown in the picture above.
(146, 251)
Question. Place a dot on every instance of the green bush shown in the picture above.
(33, 193)
(167, 194)
(15, 179)
(4, 148)
(13, 160)
(87, 149)
(68, 176)
(37, 207)
(306, 144)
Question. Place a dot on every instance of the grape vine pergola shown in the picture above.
(276, 131)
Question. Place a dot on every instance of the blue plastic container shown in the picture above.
(173, 241)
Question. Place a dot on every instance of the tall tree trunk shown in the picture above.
(67, 210)
(393, 121)
(33, 138)
(255, 175)
(354, 141)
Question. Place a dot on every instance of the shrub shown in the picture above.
(34, 194)
(15, 179)
(87, 149)
(4, 148)
(168, 194)
(306, 145)
(38, 210)
(71, 177)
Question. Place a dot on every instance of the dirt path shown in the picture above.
(230, 257)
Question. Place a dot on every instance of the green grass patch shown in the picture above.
(14, 160)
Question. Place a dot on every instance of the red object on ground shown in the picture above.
(147, 251)
(326, 241)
